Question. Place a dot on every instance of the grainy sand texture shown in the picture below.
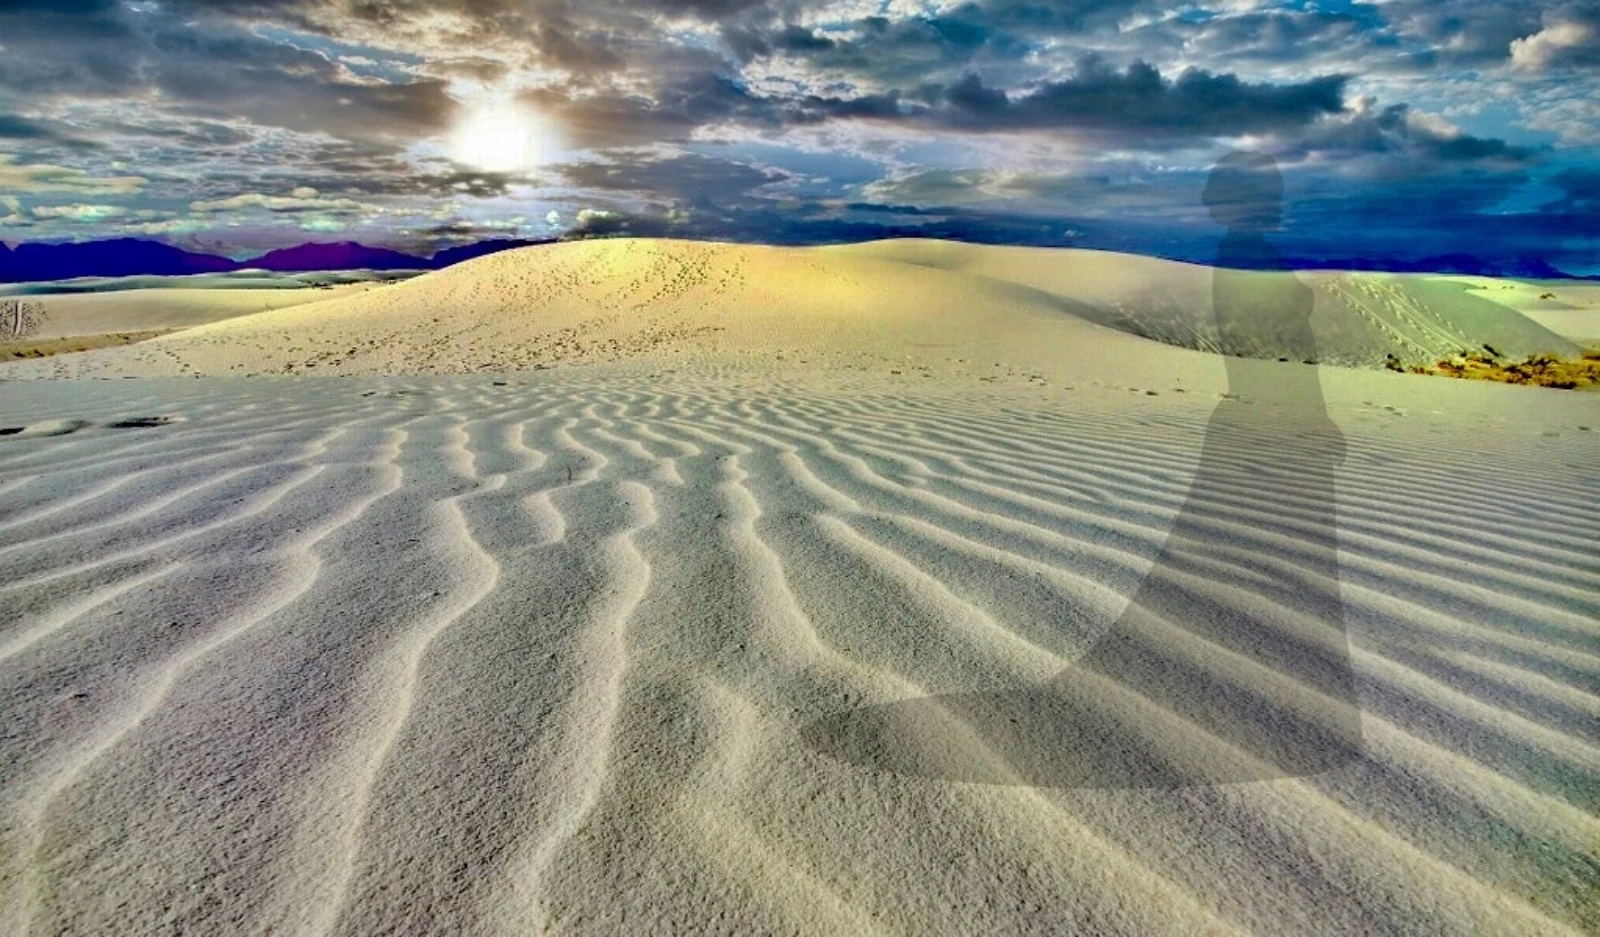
(510, 599)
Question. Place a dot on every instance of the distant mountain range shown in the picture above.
(124, 257)
(1526, 268)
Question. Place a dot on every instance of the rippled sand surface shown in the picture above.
(526, 652)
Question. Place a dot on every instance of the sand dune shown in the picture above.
(622, 299)
(258, 280)
(1360, 318)
(75, 314)
(1569, 308)
(536, 651)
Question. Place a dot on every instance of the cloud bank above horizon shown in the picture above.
(1404, 128)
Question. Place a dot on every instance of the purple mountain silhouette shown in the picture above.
(454, 255)
(344, 255)
(115, 258)
(135, 257)
(1527, 268)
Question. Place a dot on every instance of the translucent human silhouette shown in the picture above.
(1230, 661)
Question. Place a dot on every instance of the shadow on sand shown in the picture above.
(1195, 683)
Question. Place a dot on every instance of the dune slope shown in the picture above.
(538, 651)
(1359, 319)
(608, 300)
(68, 315)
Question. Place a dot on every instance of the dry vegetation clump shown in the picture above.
(46, 347)
(1535, 370)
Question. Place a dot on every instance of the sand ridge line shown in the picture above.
(834, 554)
(116, 483)
(478, 580)
(259, 500)
(300, 556)
(592, 721)
(732, 471)
(891, 684)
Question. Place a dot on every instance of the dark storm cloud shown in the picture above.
(564, 45)
(882, 52)
(1284, 36)
(352, 172)
(219, 69)
(440, 183)
(229, 70)
(33, 131)
(816, 223)
(1394, 130)
(1463, 32)
(687, 177)
(276, 84)
(677, 108)
(941, 122)
(1140, 99)
(1098, 98)
(80, 48)
(1580, 195)
(1096, 194)
(884, 49)
(1459, 201)
(17, 128)
(709, 9)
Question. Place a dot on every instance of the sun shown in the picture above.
(502, 135)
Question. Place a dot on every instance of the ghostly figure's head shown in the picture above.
(1245, 191)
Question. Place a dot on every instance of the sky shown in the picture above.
(1403, 128)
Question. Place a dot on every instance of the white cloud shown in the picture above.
(552, 217)
(79, 214)
(300, 201)
(1433, 125)
(170, 226)
(40, 178)
(1551, 44)
(1575, 119)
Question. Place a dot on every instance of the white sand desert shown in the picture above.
(68, 315)
(500, 601)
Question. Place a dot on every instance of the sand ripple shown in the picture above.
(444, 655)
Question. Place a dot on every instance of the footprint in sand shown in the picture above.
(47, 428)
(144, 422)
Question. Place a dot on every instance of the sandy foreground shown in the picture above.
(535, 649)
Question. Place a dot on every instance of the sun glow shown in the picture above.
(501, 135)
